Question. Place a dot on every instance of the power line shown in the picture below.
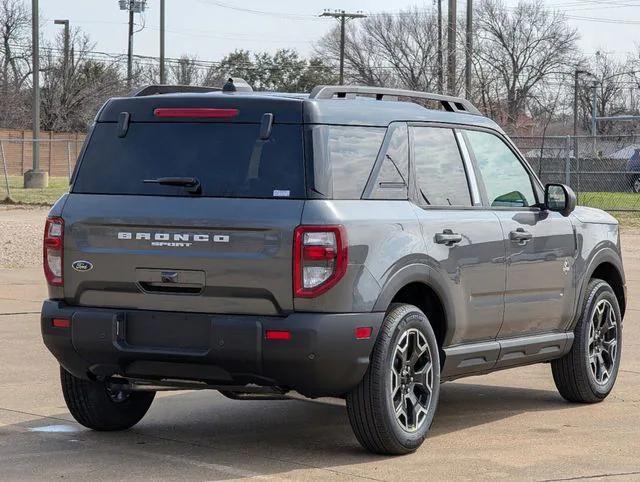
(604, 20)
(288, 16)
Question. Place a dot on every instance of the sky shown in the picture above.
(209, 29)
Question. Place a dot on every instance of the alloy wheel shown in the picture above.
(411, 380)
(603, 342)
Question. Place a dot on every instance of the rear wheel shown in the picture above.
(588, 372)
(392, 408)
(97, 407)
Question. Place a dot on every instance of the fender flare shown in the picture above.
(604, 255)
(425, 274)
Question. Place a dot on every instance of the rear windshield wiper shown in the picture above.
(191, 184)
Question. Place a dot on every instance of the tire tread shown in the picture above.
(90, 405)
(569, 372)
(364, 402)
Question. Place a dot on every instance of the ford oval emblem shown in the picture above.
(81, 265)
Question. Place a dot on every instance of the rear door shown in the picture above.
(463, 240)
(541, 245)
(227, 249)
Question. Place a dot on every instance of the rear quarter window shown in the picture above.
(344, 157)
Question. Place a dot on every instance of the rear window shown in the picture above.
(229, 160)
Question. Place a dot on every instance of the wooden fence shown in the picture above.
(58, 151)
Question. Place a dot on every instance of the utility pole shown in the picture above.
(162, 20)
(35, 39)
(65, 65)
(343, 17)
(35, 178)
(469, 39)
(451, 48)
(594, 107)
(576, 87)
(130, 49)
(440, 53)
(133, 7)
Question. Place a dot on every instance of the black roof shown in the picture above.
(288, 108)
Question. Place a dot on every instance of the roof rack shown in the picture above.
(449, 103)
(171, 89)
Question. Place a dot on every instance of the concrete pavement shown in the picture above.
(508, 425)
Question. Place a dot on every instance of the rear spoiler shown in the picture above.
(232, 85)
(171, 89)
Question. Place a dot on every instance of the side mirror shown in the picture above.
(559, 198)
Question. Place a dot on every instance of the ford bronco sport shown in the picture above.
(339, 243)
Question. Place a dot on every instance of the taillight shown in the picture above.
(320, 259)
(53, 250)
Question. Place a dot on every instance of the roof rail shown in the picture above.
(171, 89)
(449, 103)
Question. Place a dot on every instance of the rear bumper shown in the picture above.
(322, 358)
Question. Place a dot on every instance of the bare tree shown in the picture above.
(14, 30)
(185, 71)
(388, 49)
(524, 47)
(610, 77)
(70, 98)
(15, 54)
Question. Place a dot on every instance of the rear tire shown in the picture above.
(588, 372)
(97, 408)
(392, 408)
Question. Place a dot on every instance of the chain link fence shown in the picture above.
(604, 171)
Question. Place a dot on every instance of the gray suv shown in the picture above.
(340, 243)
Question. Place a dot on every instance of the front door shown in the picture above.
(540, 245)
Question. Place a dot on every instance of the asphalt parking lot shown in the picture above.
(508, 425)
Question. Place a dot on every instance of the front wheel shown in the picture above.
(588, 372)
(392, 408)
(97, 407)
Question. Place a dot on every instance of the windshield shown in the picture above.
(228, 160)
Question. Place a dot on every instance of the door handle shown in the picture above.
(520, 236)
(448, 237)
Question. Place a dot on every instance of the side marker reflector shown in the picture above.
(363, 332)
(61, 323)
(278, 335)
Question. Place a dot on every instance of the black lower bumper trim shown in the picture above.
(322, 357)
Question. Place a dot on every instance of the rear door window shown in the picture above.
(440, 175)
(229, 160)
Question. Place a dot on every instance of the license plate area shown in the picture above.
(168, 331)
